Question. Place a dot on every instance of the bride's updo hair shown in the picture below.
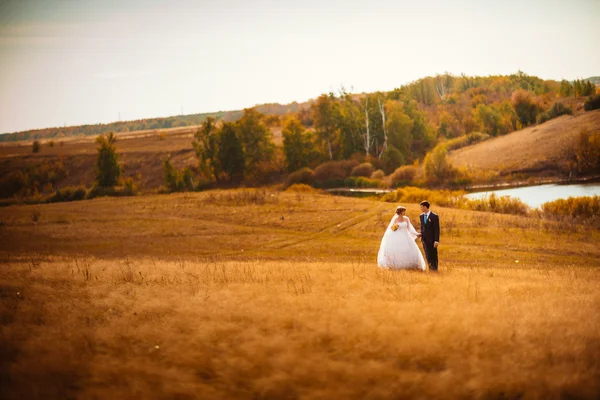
(400, 210)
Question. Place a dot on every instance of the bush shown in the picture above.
(587, 151)
(437, 166)
(593, 103)
(411, 194)
(301, 188)
(555, 111)
(302, 176)
(493, 203)
(364, 169)
(71, 193)
(177, 180)
(466, 140)
(392, 158)
(585, 209)
(361, 182)
(378, 175)
(404, 175)
(525, 106)
(456, 199)
(36, 146)
(333, 173)
(114, 191)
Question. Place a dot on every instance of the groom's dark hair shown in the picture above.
(425, 203)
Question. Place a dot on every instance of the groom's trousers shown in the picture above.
(431, 253)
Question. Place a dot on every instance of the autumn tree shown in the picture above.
(525, 106)
(255, 140)
(108, 169)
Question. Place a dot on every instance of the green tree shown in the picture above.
(206, 145)
(391, 159)
(488, 119)
(325, 111)
(255, 140)
(350, 122)
(108, 170)
(296, 145)
(231, 155)
(399, 129)
(566, 89)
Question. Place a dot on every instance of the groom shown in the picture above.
(430, 235)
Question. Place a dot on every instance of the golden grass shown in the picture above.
(153, 297)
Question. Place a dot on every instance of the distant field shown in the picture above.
(258, 294)
(537, 148)
(139, 152)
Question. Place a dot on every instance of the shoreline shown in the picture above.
(474, 188)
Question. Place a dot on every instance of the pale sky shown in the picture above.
(88, 61)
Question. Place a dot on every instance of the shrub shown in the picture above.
(378, 175)
(334, 169)
(411, 194)
(493, 203)
(525, 106)
(36, 146)
(404, 175)
(51, 143)
(392, 158)
(593, 103)
(35, 216)
(361, 182)
(301, 188)
(456, 199)
(177, 180)
(302, 176)
(437, 166)
(586, 209)
(556, 110)
(587, 151)
(466, 140)
(70, 193)
(364, 169)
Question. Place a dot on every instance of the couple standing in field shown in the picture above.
(398, 249)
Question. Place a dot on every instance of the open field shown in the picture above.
(533, 149)
(140, 152)
(258, 294)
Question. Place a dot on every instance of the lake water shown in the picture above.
(535, 196)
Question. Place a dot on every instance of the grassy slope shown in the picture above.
(215, 295)
(537, 148)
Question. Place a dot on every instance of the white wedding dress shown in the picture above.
(398, 249)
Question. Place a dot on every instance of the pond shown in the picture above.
(535, 196)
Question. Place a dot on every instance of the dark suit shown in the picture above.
(430, 233)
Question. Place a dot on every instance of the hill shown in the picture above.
(536, 149)
(149, 124)
(594, 79)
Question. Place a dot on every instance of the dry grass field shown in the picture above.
(276, 295)
(537, 148)
(140, 152)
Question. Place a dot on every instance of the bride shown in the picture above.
(398, 249)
